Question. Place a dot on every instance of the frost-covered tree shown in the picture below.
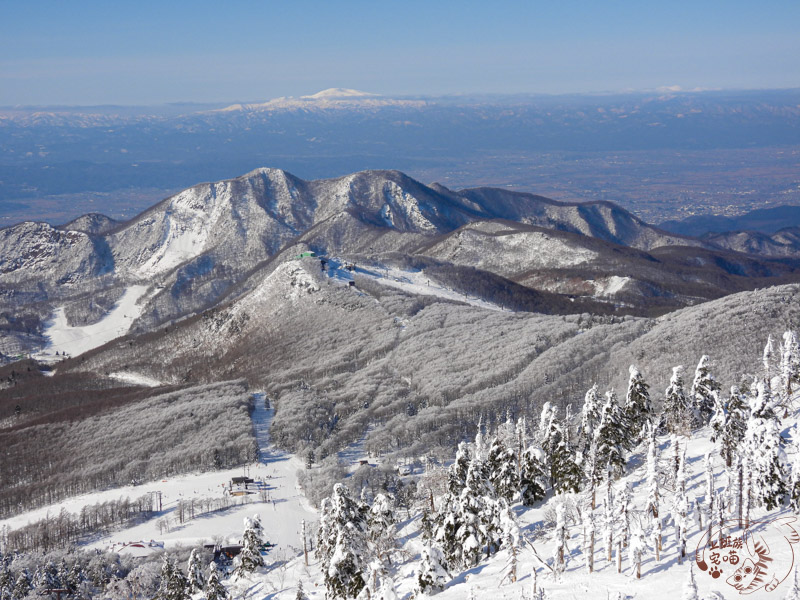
(431, 574)
(560, 540)
(609, 521)
(475, 511)
(588, 535)
(790, 366)
(22, 585)
(214, 589)
(764, 448)
(737, 414)
(457, 473)
(703, 392)
(446, 524)
(638, 547)
(301, 593)
(249, 559)
(510, 534)
(194, 572)
(590, 418)
(680, 508)
(501, 466)
(677, 413)
(610, 438)
(565, 472)
(344, 568)
(532, 477)
(767, 357)
(382, 527)
(638, 410)
(174, 585)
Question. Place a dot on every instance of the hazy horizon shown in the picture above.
(92, 53)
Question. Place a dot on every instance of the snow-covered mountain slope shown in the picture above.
(329, 99)
(381, 352)
(781, 244)
(206, 244)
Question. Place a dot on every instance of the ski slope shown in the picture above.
(65, 339)
(410, 281)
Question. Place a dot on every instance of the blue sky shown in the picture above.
(143, 52)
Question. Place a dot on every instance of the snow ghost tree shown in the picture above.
(532, 476)
(638, 410)
(431, 575)
(610, 438)
(703, 392)
(344, 567)
(677, 414)
(249, 558)
(195, 573)
(590, 419)
(214, 588)
(763, 445)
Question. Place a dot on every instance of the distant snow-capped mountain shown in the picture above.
(332, 98)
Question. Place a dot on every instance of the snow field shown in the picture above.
(76, 340)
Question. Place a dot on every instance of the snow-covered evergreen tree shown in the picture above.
(174, 585)
(510, 533)
(344, 569)
(790, 366)
(737, 414)
(590, 418)
(763, 444)
(474, 511)
(680, 508)
(767, 358)
(22, 585)
(501, 466)
(457, 473)
(301, 593)
(652, 506)
(214, 589)
(532, 476)
(703, 392)
(431, 574)
(677, 413)
(194, 572)
(382, 527)
(446, 525)
(638, 410)
(610, 438)
(249, 559)
(565, 472)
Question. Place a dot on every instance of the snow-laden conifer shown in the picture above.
(767, 358)
(763, 444)
(194, 572)
(560, 540)
(431, 573)
(532, 476)
(250, 558)
(703, 392)
(590, 418)
(381, 526)
(457, 473)
(737, 414)
(677, 413)
(638, 410)
(610, 437)
(344, 569)
(502, 470)
(214, 589)
(790, 366)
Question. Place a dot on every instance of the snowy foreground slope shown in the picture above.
(282, 508)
